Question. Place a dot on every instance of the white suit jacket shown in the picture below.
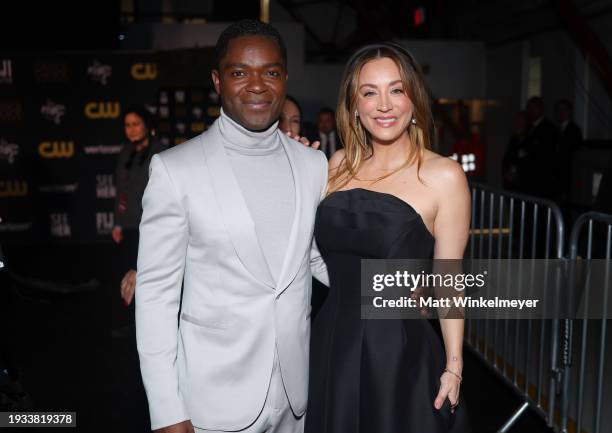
(213, 364)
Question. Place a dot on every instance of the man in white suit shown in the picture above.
(231, 214)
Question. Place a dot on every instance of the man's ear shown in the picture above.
(216, 80)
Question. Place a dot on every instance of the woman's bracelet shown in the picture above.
(446, 370)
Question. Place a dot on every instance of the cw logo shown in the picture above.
(56, 149)
(102, 110)
(144, 71)
(13, 188)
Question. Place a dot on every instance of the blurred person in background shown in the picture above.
(327, 135)
(514, 165)
(290, 121)
(131, 176)
(570, 138)
(541, 151)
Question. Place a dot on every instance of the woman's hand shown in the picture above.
(304, 140)
(449, 388)
(128, 286)
(117, 235)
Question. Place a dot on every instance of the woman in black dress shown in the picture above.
(389, 197)
(131, 177)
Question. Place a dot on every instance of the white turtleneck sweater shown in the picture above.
(262, 169)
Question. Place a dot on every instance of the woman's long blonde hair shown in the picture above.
(355, 138)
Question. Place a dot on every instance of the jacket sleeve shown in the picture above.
(161, 262)
(317, 265)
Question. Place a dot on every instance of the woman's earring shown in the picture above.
(356, 116)
(413, 121)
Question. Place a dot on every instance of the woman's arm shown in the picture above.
(451, 231)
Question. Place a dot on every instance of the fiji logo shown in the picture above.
(53, 112)
(99, 72)
(104, 222)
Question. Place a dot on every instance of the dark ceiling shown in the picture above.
(332, 27)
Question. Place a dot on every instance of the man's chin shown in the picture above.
(258, 125)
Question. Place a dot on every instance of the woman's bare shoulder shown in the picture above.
(336, 159)
(442, 172)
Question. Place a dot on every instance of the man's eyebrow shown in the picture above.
(236, 65)
(244, 65)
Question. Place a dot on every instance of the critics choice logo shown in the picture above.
(105, 187)
(59, 225)
(53, 112)
(56, 149)
(8, 151)
(102, 110)
(99, 72)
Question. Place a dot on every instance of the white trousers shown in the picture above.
(276, 415)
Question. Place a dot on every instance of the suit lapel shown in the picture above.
(293, 257)
(236, 215)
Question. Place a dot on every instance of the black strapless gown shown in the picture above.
(372, 376)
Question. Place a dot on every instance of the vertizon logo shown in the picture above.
(6, 71)
(102, 110)
(99, 72)
(144, 71)
(105, 221)
(102, 150)
(8, 151)
(53, 112)
(13, 188)
(6, 226)
(59, 188)
(59, 225)
(56, 149)
(105, 187)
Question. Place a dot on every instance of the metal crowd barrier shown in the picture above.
(583, 397)
(507, 225)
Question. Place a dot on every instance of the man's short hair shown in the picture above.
(536, 100)
(565, 104)
(248, 28)
(327, 110)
